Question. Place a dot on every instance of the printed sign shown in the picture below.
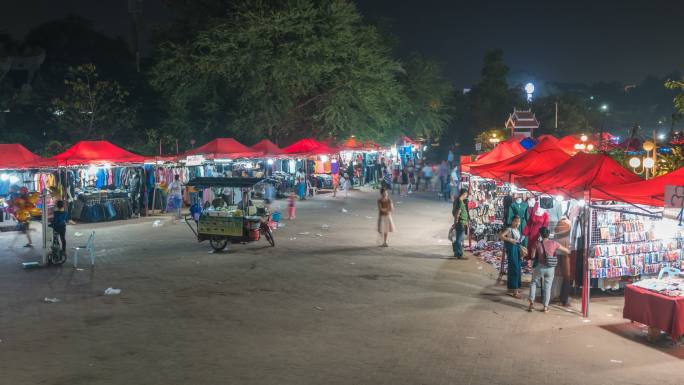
(674, 196)
(194, 160)
(229, 226)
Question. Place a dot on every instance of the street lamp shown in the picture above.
(583, 145)
(647, 163)
(494, 140)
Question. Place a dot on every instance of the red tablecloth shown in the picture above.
(655, 310)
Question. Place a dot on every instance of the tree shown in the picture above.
(491, 98)
(92, 108)
(429, 96)
(574, 115)
(282, 70)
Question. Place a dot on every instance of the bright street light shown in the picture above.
(604, 107)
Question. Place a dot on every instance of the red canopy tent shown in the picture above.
(309, 147)
(96, 152)
(541, 158)
(578, 175)
(267, 148)
(227, 148)
(15, 156)
(648, 192)
(503, 150)
(352, 144)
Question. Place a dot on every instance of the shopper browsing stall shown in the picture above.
(512, 238)
(545, 261)
(460, 213)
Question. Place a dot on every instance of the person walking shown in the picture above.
(385, 223)
(427, 175)
(291, 206)
(176, 196)
(443, 172)
(460, 213)
(403, 189)
(512, 239)
(545, 261)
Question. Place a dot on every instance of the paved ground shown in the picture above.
(326, 306)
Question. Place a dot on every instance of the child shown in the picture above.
(59, 224)
(291, 206)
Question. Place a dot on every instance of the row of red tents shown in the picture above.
(16, 156)
(550, 167)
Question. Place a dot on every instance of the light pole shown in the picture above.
(604, 111)
(647, 163)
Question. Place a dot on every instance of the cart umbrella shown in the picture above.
(96, 152)
(543, 157)
(578, 175)
(14, 156)
(648, 192)
(227, 148)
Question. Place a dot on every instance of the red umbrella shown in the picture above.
(267, 148)
(227, 148)
(309, 147)
(15, 156)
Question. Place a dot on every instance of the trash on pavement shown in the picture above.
(78, 234)
(157, 223)
(304, 233)
(615, 361)
(344, 210)
(318, 308)
(51, 300)
(112, 291)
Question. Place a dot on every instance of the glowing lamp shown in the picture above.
(4, 177)
(634, 162)
(13, 179)
(270, 162)
(590, 147)
(648, 162)
(324, 158)
(648, 145)
(584, 138)
(559, 198)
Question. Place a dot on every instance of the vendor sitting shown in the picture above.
(245, 202)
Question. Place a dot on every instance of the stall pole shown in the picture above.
(470, 235)
(586, 288)
(44, 223)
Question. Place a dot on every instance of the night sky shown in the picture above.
(568, 41)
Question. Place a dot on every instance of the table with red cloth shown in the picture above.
(654, 310)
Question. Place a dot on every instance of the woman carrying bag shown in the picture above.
(515, 251)
(545, 262)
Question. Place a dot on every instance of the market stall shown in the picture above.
(316, 162)
(101, 181)
(363, 156)
(657, 303)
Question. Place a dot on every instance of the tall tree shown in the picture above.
(491, 98)
(283, 69)
(430, 97)
(92, 108)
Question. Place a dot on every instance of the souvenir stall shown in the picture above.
(633, 242)
(101, 181)
(23, 175)
(575, 179)
(363, 157)
(315, 159)
(219, 157)
(277, 166)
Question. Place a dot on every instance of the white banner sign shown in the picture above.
(194, 160)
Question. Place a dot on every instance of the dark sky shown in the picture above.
(569, 40)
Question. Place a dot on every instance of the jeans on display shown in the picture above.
(458, 241)
(542, 271)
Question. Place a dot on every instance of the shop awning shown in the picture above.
(543, 157)
(579, 174)
(224, 148)
(15, 156)
(309, 147)
(648, 192)
(267, 148)
(503, 150)
(96, 152)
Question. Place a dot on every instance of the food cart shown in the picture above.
(225, 222)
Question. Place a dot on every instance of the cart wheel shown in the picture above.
(268, 234)
(57, 258)
(218, 243)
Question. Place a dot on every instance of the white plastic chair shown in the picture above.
(89, 247)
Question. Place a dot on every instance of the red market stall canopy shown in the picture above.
(352, 144)
(309, 147)
(503, 150)
(15, 156)
(648, 192)
(543, 157)
(578, 175)
(224, 148)
(96, 152)
(267, 148)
